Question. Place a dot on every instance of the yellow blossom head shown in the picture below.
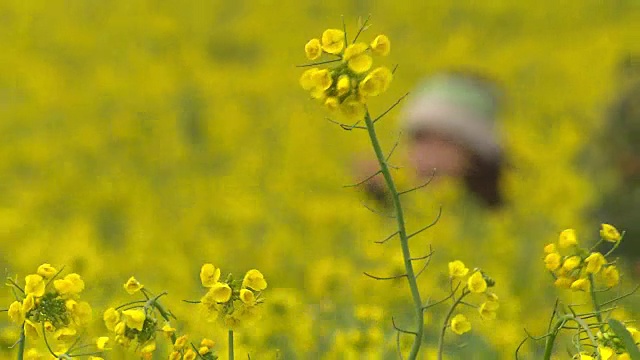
(208, 343)
(581, 285)
(34, 284)
(46, 271)
(594, 262)
(381, 45)
(611, 276)
(567, 238)
(190, 355)
(333, 41)
(255, 280)
(72, 284)
(344, 85)
(351, 108)
(552, 261)
(357, 58)
(219, 292)
(376, 82)
(571, 263)
(313, 49)
(550, 248)
(132, 286)
(247, 297)
(209, 275)
(101, 342)
(477, 283)
(16, 315)
(488, 309)
(457, 269)
(460, 324)
(28, 303)
(332, 103)
(180, 342)
(111, 317)
(609, 233)
(134, 318)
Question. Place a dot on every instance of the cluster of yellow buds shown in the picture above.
(48, 304)
(137, 321)
(576, 268)
(347, 85)
(237, 301)
(184, 350)
(611, 346)
(475, 282)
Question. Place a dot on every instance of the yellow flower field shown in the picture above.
(147, 138)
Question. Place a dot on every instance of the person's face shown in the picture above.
(429, 151)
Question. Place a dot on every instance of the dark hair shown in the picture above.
(483, 180)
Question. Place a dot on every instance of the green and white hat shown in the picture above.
(458, 106)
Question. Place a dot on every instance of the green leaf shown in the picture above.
(623, 334)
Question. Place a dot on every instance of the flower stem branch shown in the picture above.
(446, 321)
(404, 239)
(231, 356)
(21, 344)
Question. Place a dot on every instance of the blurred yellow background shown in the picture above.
(148, 137)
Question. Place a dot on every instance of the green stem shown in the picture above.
(446, 321)
(21, 344)
(594, 300)
(551, 336)
(231, 345)
(404, 239)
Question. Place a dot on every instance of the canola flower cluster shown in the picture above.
(237, 301)
(582, 269)
(574, 267)
(50, 307)
(347, 85)
(475, 283)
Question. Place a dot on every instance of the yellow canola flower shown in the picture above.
(381, 45)
(180, 342)
(550, 248)
(624, 356)
(585, 357)
(457, 269)
(376, 82)
(48, 326)
(175, 355)
(219, 293)
(581, 285)
(476, 283)
(190, 355)
(563, 282)
(101, 342)
(356, 57)
(255, 280)
(609, 233)
(64, 334)
(148, 347)
(594, 261)
(567, 238)
(208, 343)
(552, 261)
(34, 284)
(132, 286)
(306, 80)
(332, 103)
(30, 329)
(247, 297)
(46, 271)
(203, 350)
(28, 303)
(635, 334)
(120, 328)
(134, 318)
(344, 85)
(351, 108)
(571, 263)
(16, 315)
(460, 324)
(611, 276)
(71, 284)
(209, 275)
(313, 49)
(333, 41)
(488, 309)
(168, 330)
(606, 353)
(111, 317)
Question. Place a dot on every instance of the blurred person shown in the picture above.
(449, 121)
(619, 150)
